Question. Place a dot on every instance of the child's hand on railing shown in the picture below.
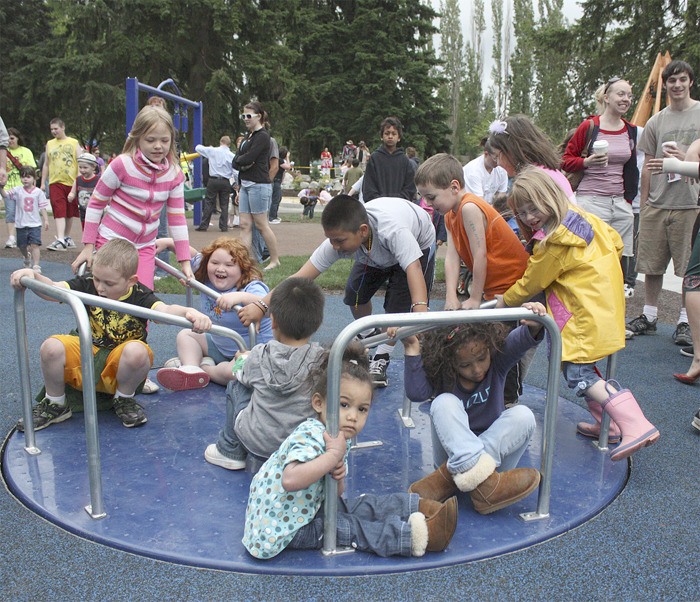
(249, 314)
(411, 345)
(85, 256)
(200, 321)
(17, 275)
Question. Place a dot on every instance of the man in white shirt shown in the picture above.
(483, 177)
(219, 184)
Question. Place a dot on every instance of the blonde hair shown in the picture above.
(148, 118)
(439, 171)
(533, 187)
(599, 97)
(120, 255)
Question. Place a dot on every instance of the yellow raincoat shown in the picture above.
(578, 268)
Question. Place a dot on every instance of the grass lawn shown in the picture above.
(333, 279)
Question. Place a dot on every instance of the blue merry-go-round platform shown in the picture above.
(164, 501)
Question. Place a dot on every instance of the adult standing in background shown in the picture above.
(669, 202)
(220, 159)
(610, 181)
(61, 170)
(326, 162)
(17, 156)
(4, 142)
(253, 163)
(483, 176)
(363, 155)
(284, 165)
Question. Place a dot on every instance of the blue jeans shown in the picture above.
(276, 199)
(453, 441)
(237, 399)
(163, 233)
(371, 523)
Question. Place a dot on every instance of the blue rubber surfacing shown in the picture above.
(164, 501)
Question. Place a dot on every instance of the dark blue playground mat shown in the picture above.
(164, 501)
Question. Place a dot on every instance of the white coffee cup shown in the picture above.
(667, 146)
(600, 147)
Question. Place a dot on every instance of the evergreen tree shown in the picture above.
(452, 55)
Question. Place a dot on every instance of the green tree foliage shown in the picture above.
(325, 70)
(452, 53)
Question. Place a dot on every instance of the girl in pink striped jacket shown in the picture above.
(140, 183)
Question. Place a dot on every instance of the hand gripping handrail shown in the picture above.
(436, 319)
(76, 301)
(192, 283)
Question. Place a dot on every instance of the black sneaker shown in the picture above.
(45, 414)
(687, 351)
(359, 338)
(129, 412)
(682, 336)
(639, 326)
(696, 420)
(377, 370)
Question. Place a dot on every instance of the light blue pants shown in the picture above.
(453, 441)
(371, 523)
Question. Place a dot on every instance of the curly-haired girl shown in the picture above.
(226, 266)
(473, 433)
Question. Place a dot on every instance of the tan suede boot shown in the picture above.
(441, 526)
(491, 490)
(438, 486)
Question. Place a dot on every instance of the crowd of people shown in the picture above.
(529, 235)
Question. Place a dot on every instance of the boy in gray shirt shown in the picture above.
(272, 394)
(392, 241)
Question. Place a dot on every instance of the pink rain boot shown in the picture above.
(637, 431)
(593, 430)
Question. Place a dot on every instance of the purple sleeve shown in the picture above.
(415, 380)
(517, 343)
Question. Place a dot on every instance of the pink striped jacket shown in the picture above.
(134, 190)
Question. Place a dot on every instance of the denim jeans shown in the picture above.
(237, 399)
(453, 441)
(371, 523)
(276, 199)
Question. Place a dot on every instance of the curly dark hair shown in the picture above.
(355, 365)
(439, 349)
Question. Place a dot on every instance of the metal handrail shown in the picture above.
(77, 301)
(193, 283)
(435, 319)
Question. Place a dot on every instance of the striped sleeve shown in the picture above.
(101, 195)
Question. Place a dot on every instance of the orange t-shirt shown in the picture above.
(506, 257)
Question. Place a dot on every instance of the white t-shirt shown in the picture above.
(401, 231)
(480, 182)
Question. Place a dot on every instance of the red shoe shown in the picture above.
(183, 379)
(685, 379)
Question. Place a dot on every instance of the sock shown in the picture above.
(384, 349)
(60, 400)
(683, 316)
(118, 393)
(650, 311)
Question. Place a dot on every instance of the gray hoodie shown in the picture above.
(279, 376)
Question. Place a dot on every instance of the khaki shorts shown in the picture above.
(664, 234)
(72, 373)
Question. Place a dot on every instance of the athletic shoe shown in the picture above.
(28, 261)
(696, 420)
(360, 338)
(70, 243)
(639, 326)
(687, 351)
(629, 291)
(173, 362)
(207, 361)
(11, 243)
(184, 378)
(129, 412)
(45, 414)
(377, 370)
(277, 220)
(57, 245)
(149, 387)
(214, 456)
(681, 335)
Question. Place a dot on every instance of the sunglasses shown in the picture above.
(249, 115)
(611, 81)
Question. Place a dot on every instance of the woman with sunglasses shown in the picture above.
(610, 179)
(253, 164)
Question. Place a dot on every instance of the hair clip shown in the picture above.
(498, 127)
(452, 333)
(354, 362)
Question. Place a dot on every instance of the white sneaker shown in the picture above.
(11, 243)
(629, 291)
(149, 387)
(207, 361)
(277, 220)
(214, 456)
(70, 243)
(57, 245)
(173, 362)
